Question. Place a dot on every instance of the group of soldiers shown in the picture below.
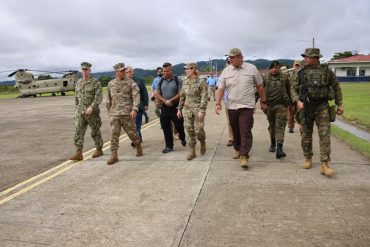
(122, 104)
(303, 93)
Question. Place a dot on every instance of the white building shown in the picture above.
(351, 69)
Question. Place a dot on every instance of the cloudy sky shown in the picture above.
(58, 35)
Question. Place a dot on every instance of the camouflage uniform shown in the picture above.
(193, 99)
(123, 97)
(277, 98)
(88, 93)
(322, 86)
(294, 115)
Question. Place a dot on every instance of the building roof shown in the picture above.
(352, 59)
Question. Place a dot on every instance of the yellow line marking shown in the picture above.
(67, 165)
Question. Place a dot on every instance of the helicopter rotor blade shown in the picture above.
(6, 71)
(44, 71)
(14, 72)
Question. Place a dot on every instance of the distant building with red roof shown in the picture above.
(351, 69)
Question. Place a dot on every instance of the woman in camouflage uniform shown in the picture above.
(193, 106)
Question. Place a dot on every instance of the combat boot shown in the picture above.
(98, 152)
(236, 155)
(307, 164)
(191, 154)
(78, 156)
(113, 158)
(243, 161)
(272, 146)
(139, 149)
(279, 151)
(325, 169)
(203, 147)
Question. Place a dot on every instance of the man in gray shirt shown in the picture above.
(168, 93)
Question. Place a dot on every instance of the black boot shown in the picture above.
(279, 151)
(272, 146)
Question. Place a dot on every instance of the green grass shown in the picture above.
(355, 142)
(12, 95)
(9, 95)
(356, 101)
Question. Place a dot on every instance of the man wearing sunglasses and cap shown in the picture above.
(316, 85)
(123, 103)
(241, 80)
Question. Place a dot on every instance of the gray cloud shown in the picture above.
(59, 34)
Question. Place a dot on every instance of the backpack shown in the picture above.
(283, 89)
(317, 83)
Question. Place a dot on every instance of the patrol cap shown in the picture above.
(311, 52)
(297, 62)
(191, 66)
(235, 52)
(119, 66)
(274, 63)
(85, 65)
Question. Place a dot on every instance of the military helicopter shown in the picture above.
(28, 85)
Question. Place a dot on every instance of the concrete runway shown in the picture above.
(37, 134)
(163, 200)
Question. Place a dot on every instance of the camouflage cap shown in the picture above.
(191, 66)
(119, 66)
(283, 68)
(85, 65)
(234, 52)
(311, 52)
(297, 62)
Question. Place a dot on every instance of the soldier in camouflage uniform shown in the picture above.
(88, 96)
(316, 85)
(277, 93)
(123, 104)
(292, 110)
(193, 106)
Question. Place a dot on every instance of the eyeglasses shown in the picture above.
(297, 65)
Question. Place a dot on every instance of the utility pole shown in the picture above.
(303, 40)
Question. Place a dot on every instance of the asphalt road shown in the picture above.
(37, 134)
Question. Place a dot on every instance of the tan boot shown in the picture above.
(243, 161)
(113, 158)
(139, 149)
(203, 147)
(78, 156)
(236, 155)
(191, 154)
(307, 164)
(325, 169)
(98, 152)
